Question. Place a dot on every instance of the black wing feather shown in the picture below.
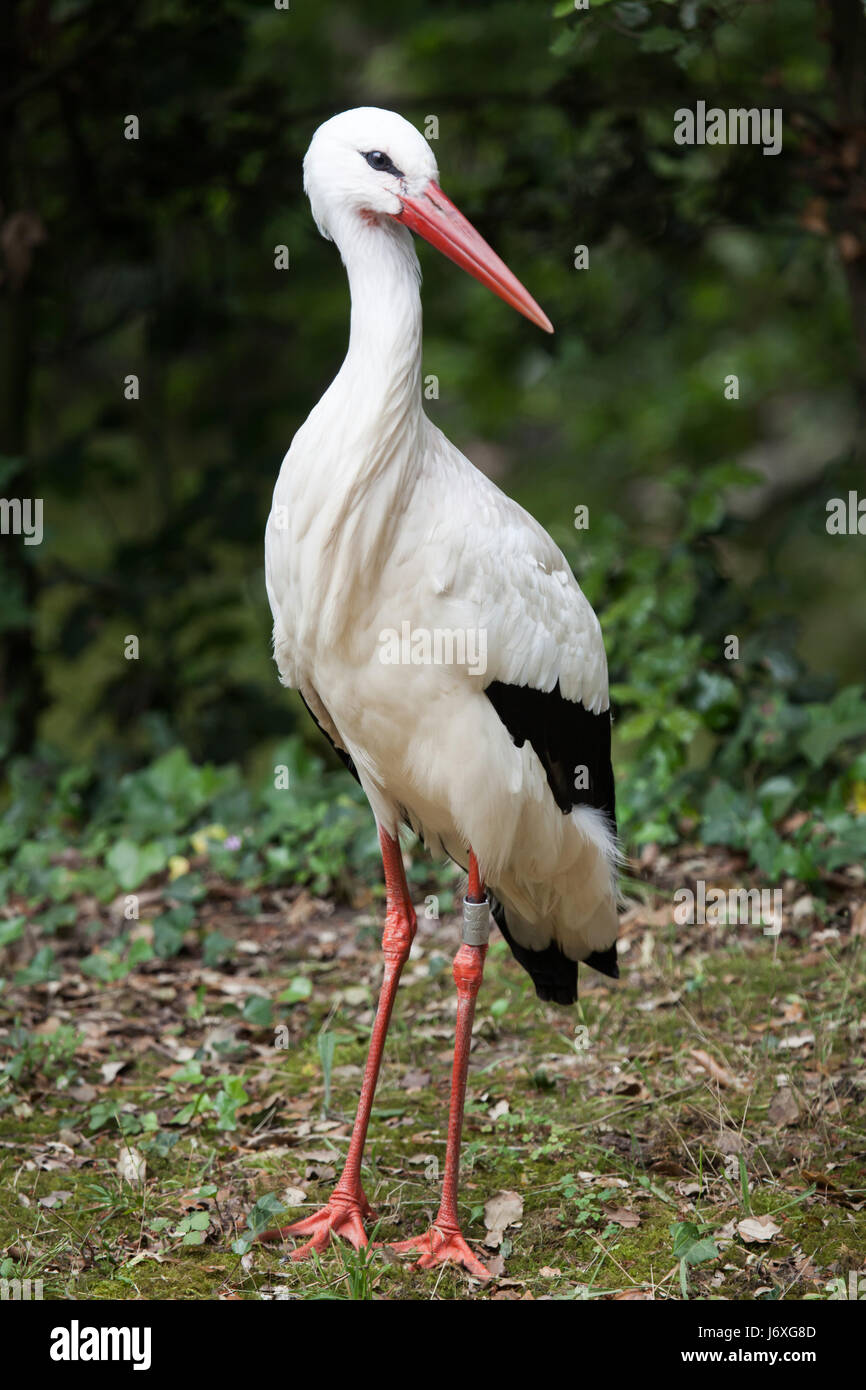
(565, 736)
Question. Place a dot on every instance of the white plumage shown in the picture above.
(378, 522)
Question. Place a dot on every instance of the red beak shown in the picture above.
(437, 220)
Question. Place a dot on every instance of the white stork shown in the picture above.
(437, 636)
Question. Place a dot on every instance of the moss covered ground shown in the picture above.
(692, 1131)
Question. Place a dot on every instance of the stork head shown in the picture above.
(371, 164)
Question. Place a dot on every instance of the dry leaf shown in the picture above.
(632, 1087)
(784, 1109)
(49, 1026)
(715, 1070)
(662, 1002)
(500, 1211)
(414, 1080)
(669, 1168)
(622, 1217)
(825, 1184)
(109, 1070)
(321, 1171)
(54, 1199)
(85, 1093)
(730, 1142)
(757, 1228)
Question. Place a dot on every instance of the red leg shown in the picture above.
(474, 888)
(348, 1203)
(444, 1241)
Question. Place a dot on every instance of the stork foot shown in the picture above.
(442, 1245)
(343, 1216)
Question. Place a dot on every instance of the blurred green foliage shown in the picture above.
(155, 257)
(69, 832)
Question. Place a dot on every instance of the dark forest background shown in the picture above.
(190, 886)
(154, 257)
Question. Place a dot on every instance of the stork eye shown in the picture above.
(377, 160)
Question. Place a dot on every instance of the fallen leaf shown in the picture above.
(784, 1109)
(662, 1002)
(757, 1228)
(49, 1026)
(821, 1180)
(715, 1070)
(321, 1171)
(415, 1080)
(499, 1212)
(54, 1199)
(109, 1070)
(730, 1142)
(85, 1093)
(632, 1087)
(667, 1167)
(622, 1216)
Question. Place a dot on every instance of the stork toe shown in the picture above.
(341, 1216)
(442, 1245)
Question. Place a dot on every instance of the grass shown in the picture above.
(721, 1079)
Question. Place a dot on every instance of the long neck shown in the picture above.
(372, 413)
(382, 368)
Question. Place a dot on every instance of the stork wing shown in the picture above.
(487, 553)
(546, 673)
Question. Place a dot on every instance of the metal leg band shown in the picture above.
(476, 923)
